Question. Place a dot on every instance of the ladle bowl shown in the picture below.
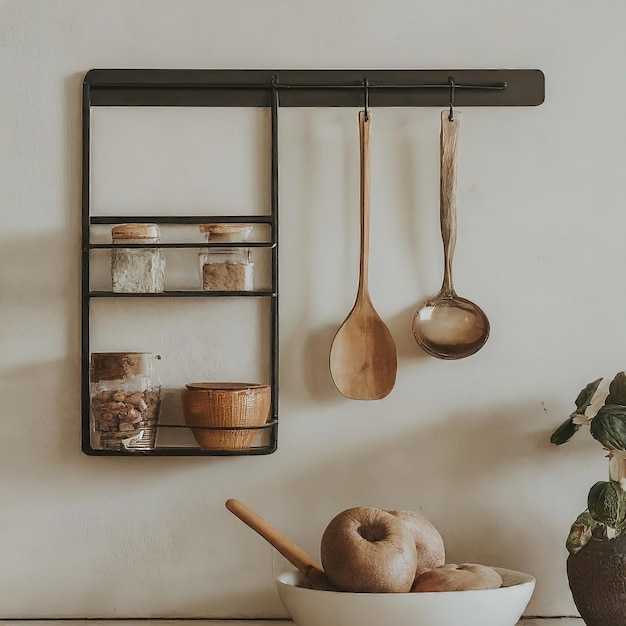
(447, 326)
(450, 327)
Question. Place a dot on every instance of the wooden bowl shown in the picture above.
(220, 409)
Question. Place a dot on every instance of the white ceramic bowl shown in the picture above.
(488, 607)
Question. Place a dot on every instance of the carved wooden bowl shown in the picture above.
(226, 416)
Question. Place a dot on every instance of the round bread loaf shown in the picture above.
(368, 550)
(431, 552)
(452, 577)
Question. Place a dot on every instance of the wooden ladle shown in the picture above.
(363, 358)
(447, 326)
(313, 573)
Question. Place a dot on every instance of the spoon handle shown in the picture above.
(364, 136)
(293, 553)
(449, 145)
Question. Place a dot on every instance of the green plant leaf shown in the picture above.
(564, 432)
(585, 396)
(580, 532)
(609, 427)
(617, 390)
(606, 504)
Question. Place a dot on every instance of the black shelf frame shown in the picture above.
(270, 89)
(91, 86)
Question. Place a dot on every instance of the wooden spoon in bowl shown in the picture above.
(363, 357)
(313, 573)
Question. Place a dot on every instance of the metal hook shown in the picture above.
(366, 95)
(452, 86)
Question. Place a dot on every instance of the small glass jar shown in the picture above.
(125, 399)
(137, 270)
(226, 268)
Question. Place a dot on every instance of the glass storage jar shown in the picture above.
(226, 268)
(137, 270)
(125, 396)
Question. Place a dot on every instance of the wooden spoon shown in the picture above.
(313, 573)
(363, 358)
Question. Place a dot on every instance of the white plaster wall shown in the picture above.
(540, 248)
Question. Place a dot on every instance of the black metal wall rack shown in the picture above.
(271, 89)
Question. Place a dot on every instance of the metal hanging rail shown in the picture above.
(490, 87)
(313, 88)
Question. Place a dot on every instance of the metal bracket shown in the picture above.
(313, 88)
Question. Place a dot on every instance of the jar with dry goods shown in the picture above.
(226, 268)
(137, 270)
(125, 399)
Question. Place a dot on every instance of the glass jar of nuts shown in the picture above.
(125, 400)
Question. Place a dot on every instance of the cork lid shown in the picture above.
(136, 231)
(117, 365)
(224, 386)
(241, 230)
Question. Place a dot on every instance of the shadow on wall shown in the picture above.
(460, 472)
(454, 470)
(40, 303)
(41, 420)
(315, 379)
(458, 456)
(328, 152)
(41, 317)
(446, 470)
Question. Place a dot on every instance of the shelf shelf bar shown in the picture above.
(265, 426)
(181, 219)
(209, 244)
(181, 451)
(185, 294)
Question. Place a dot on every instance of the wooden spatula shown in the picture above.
(363, 358)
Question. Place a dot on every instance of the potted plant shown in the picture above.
(596, 565)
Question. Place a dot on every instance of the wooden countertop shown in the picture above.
(558, 621)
